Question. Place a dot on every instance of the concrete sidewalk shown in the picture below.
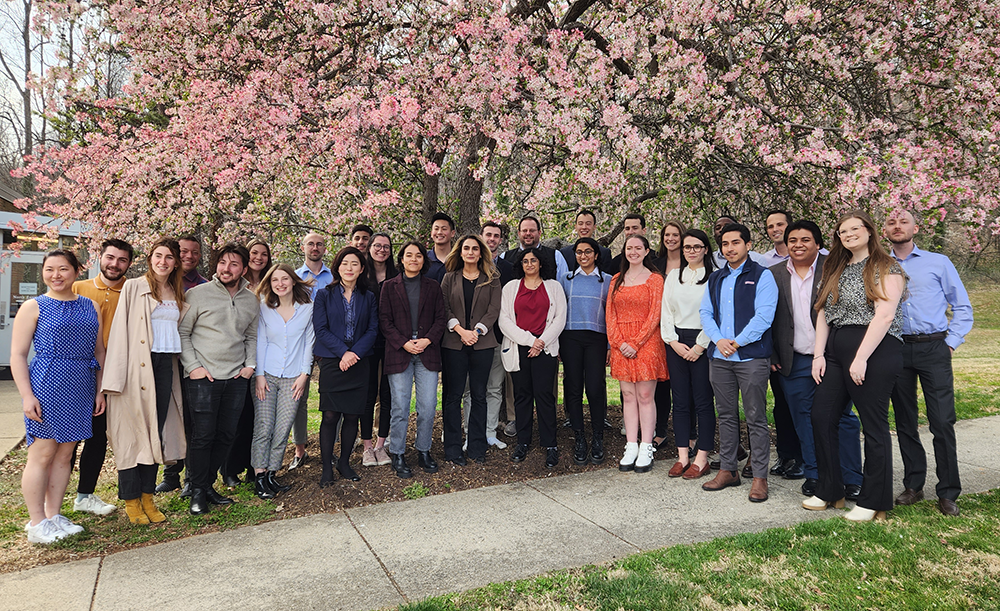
(385, 555)
(11, 417)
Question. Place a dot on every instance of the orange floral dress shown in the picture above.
(633, 316)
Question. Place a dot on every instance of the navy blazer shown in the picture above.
(329, 323)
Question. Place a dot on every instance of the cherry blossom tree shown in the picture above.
(272, 117)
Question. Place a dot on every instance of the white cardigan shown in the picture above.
(514, 336)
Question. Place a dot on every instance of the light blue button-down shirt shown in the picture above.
(933, 284)
(285, 349)
(765, 302)
(320, 280)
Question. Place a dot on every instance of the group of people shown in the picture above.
(210, 377)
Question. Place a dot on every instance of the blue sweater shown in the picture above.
(585, 299)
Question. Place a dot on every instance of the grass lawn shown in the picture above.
(918, 559)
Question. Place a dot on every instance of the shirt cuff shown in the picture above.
(483, 330)
(954, 340)
(452, 323)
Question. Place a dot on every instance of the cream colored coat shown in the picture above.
(128, 382)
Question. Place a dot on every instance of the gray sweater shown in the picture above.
(219, 332)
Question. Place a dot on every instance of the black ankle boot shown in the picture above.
(597, 448)
(400, 467)
(262, 489)
(580, 448)
(199, 501)
(273, 483)
(429, 465)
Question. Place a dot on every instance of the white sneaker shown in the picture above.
(644, 459)
(65, 525)
(465, 446)
(44, 532)
(627, 462)
(93, 504)
(493, 441)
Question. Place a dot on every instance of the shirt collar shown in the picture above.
(579, 272)
(305, 270)
(738, 269)
(916, 252)
(790, 266)
(99, 285)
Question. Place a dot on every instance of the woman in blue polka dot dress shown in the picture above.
(58, 390)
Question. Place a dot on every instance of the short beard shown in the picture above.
(234, 283)
(900, 241)
(104, 272)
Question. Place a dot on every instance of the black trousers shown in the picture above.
(378, 390)
(584, 355)
(238, 460)
(661, 397)
(931, 363)
(533, 392)
(692, 391)
(95, 450)
(215, 412)
(871, 399)
(787, 442)
(173, 472)
(141, 479)
(461, 365)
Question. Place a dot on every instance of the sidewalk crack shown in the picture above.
(385, 569)
(560, 503)
(97, 580)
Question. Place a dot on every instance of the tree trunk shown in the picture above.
(432, 187)
(470, 189)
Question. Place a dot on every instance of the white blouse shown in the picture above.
(164, 319)
(681, 304)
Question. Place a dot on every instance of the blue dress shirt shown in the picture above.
(320, 280)
(933, 284)
(765, 302)
(285, 349)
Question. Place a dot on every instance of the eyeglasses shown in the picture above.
(585, 252)
(855, 229)
(691, 248)
(381, 247)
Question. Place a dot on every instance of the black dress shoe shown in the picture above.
(187, 491)
(948, 507)
(298, 461)
(794, 469)
(199, 502)
(215, 498)
(809, 486)
(910, 497)
(778, 468)
(231, 481)
(597, 449)
(741, 453)
(426, 462)
(551, 457)
(262, 490)
(580, 449)
(747, 470)
(520, 453)
(273, 483)
(400, 467)
(459, 460)
(347, 472)
(327, 478)
(480, 460)
(167, 485)
(852, 492)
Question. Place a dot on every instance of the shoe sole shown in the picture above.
(756, 500)
(596, 461)
(645, 469)
(403, 475)
(733, 485)
(624, 468)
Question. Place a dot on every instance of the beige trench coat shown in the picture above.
(128, 382)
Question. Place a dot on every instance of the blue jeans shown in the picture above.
(800, 389)
(401, 385)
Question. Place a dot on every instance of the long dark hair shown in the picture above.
(707, 259)
(661, 249)
(546, 268)
(362, 282)
(300, 288)
(620, 278)
(270, 261)
(390, 265)
(877, 266)
(175, 279)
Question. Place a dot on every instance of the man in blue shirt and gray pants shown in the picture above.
(736, 314)
(929, 341)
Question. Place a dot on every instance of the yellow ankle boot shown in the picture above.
(133, 509)
(155, 515)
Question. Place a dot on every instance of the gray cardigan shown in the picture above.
(219, 331)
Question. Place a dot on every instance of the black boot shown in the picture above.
(400, 467)
(199, 502)
(231, 481)
(429, 465)
(187, 491)
(215, 498)
(274, 485)
(597, 448)
(169, 484)
(580, 448)
(263, 490)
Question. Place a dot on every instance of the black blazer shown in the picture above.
(783, 327)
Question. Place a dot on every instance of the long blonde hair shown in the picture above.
(487, 271)
(876, 267)
(174, 280)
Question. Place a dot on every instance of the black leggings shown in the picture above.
(328, 436)
(141, 479)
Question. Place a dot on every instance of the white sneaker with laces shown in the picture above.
(93, 504)
(65, 525)
(493, 441)
(44, 532)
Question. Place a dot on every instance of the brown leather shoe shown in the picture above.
(678, 469)
(909, 497)
(723, 479)
(758, 490)
(693, 472)
(948, 507)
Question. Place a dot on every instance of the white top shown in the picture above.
(163, 320)
(681, 304)
(285, 349)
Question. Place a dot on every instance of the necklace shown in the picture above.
(536, 283)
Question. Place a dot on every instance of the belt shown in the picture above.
(920, 338)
